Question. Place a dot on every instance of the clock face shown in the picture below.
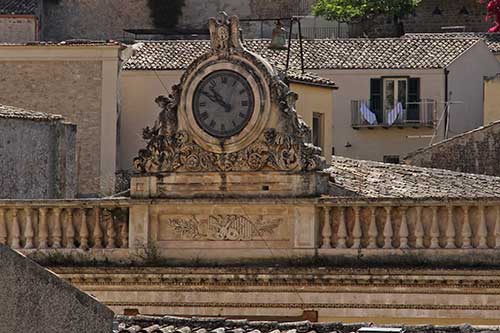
(223, 103)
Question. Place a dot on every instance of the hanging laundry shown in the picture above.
(367, 114)
(393, 115)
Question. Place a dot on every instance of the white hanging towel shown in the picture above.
(367, 114)
(393, 115)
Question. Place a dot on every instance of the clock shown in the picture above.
(223, 103)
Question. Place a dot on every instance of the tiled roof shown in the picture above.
(18, 113)
(491, 39)
(168, 324)
(360, 53)
(72, 42)
(375, 180)
(18, 7)
(309, 78)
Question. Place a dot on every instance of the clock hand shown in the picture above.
(220, 100)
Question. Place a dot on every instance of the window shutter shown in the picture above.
(413, 97)
(376, 98)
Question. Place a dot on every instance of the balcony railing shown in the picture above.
(419, 114)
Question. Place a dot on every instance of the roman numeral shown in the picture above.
(204, 116)
(222, 128)
(203, 104)
(242, 115)
(212, 83)
(213, 123)
(224, 80)
(244, 103)
(242, 91)
(234, 123)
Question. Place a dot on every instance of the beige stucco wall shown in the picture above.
(491, 99)
(138, 108)
(316, 99)
(80, 83)
(373, 144)
(466, 87)
(17, 29)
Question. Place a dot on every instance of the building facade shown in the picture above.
(491, 99)
(80, 82)
(20, 21)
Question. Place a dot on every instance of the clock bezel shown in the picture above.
(195, 105)
(257, 81)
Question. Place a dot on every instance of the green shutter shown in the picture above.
(376, 98)
(413, 97)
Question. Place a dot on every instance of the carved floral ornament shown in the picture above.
(281, 147)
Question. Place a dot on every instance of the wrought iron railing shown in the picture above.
(418, 114)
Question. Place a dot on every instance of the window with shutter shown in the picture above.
(413, 113)
(376, 98)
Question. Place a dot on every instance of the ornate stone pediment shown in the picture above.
(268, 135)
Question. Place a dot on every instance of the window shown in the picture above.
(395, 91)
(317, 130)
(393, 159)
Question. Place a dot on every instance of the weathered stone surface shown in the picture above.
(33, 299)
(477, 151)
(38, 154)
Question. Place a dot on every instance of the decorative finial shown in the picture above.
(225, 32)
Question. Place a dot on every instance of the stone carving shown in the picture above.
(224, 227)
(225, 32)
(281, 148)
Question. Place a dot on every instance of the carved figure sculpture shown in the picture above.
(493, 8)
(224, 32)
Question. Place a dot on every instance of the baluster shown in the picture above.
(497, 229)
(403, 230)
(356, 231)
(388, 231)
(84, 231)
(57, 233)
(3, 227)
(327, 229)
(466, 229)
(110, 230)
(97, 229)
(43, 232)
(342, 232)
(124, 235)
(482, 230)
(450, 230)
(29, 233)
(70, 229)
(16, 232)
(372, 229)
(419, 229)
(434, 229)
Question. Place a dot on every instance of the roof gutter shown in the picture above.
(446, 106)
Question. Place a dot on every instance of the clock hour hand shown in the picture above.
(219, 100)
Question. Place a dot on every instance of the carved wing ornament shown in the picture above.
(225, 32)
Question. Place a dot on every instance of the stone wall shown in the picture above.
(94, 19)
(69, 88)
(477, 151)
(426, 20)
(18, 29)
(38, 159)
(34, 299)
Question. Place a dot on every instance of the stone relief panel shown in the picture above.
(230, 227)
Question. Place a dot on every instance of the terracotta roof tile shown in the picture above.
(491, 39)
(309, 78)
(390, 53)
(19, 113)
(169, 324)
(375, 180)
(18, 7)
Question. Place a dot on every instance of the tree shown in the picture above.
(363, 11)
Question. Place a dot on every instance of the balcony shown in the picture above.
(415, 115)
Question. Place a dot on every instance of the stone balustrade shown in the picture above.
(423, 225)
(72, 224)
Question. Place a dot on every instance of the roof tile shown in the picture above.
(19, 113)
(18, 7)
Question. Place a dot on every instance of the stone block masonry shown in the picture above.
(33, 299)
(69, 88)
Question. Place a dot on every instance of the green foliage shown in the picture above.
(165, 13)
(352, 11)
